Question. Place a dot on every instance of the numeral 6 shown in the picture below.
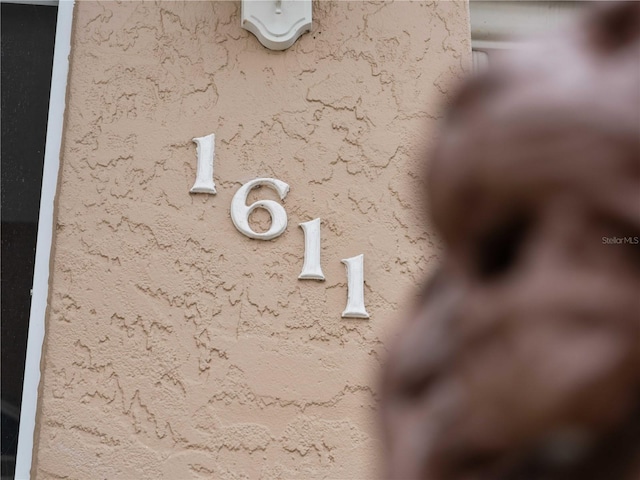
(240, 211)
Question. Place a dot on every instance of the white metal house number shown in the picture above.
(240, 211)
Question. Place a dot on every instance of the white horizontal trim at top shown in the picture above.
(504, 24)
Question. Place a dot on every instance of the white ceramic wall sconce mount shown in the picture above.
(276, 23)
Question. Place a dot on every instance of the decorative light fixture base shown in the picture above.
(276, 23)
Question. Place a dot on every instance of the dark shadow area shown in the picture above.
(28, 35)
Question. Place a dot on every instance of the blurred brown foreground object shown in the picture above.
(522, 360)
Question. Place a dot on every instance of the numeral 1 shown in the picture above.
(355, 288)
(311, 269)
(204, 174)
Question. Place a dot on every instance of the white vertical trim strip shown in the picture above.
(480, 61)
(57, 102)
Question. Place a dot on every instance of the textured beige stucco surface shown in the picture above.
(177, 347)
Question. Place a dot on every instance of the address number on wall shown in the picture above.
(240, 212)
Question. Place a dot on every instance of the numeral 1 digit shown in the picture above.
(311, 269)
(355, 288)
(204, 175)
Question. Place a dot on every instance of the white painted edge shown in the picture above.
(488, 45)
(39, 299)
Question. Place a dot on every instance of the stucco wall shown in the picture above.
(177, 347)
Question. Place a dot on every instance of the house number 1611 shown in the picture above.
(240, 211)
